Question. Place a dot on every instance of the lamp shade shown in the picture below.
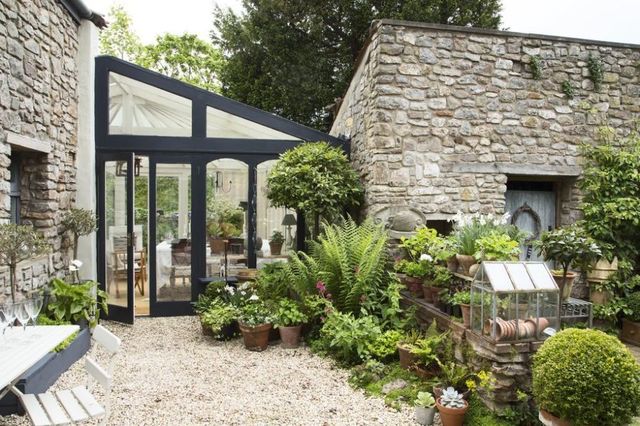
(289, 220)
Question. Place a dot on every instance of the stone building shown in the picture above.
(445, 119)
(46, 109)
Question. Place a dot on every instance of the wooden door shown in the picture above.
(533, 212)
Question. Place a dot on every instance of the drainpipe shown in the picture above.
(85, 13)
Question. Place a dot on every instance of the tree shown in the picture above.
(119, 39)
(314, 178)
(18, 243)
(295, 58)
(185, 57)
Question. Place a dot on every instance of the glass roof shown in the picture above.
(221, 124)
(505, 277)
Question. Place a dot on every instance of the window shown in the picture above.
(14, 189)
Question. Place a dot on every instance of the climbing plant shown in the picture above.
(596, 73)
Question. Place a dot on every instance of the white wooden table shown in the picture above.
(21, 350)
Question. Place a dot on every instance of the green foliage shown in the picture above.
(74, 302)
(536, 67)
(295, 58)
(185, 57)
(79, 222)
(372, 376)
(568, 89)
(18, 243)
(611, 194)
(633, 303)
(314, 178)
(448, 248)
(588, 377)
(277, 237)
(424, 241)
(431, 347)
(288, 313)
(496, 246)
(416, 269)
(469, 229)
(596, 72)
(218, 315)
(567, 246)
(66, 342)
(461, 298)
(385, 347)
(479, 415)
(271, 282)
(119, 39)
(255, 313)
(225, 219)
(424, 399)
(349, 339)
(441, 276)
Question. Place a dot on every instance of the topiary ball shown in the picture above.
(587, 377)
(633, 303)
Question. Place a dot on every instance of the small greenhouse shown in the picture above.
(514, 301)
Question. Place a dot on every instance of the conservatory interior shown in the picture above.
(199, 162)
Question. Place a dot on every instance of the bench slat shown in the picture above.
(88, 401)
(34, 410)
(53, 409)
(73, 407)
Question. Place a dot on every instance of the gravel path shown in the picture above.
(170, 374)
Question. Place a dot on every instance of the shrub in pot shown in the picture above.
(405, 345)
(75, 303)
(425, 407)
(586, 377)
(225, 221)
(275, 243)
(631, 322)
(415, 273)
(289, 319)
(452, 407)
(463, 299)
(567, 246)
(255, 323)
(440, 278)
(447, 251)
(220, 320)
(427, 351)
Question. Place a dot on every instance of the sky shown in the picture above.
(610, 20)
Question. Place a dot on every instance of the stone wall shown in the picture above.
(440, 118)
(38, 100)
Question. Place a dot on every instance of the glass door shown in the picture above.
(171, 240)
(117, 235)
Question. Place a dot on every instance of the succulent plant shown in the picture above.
(425, 399)
(451, 398)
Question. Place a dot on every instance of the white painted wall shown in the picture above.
(85, 156)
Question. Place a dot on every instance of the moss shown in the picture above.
(65, 343)
(396, 397)
(480, 415)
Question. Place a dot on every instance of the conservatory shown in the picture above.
(182, 188)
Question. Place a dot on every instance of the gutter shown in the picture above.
(79, 11)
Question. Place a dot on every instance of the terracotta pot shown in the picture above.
(601, 270)
(473, 269)
(465, 262)
(452, 264)
(414, 285)
(428, 294)
(407, 359)
(466, 315)
(256, 338)
(531, 326)
(424, 415)
(630, 332)
(276, 248)
(549, 419)
(290, 336)
(451, 416)
(566, 292)
(425, 373)
(216, 245)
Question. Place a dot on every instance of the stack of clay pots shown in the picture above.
(511, 330)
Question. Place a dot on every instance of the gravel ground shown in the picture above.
(170, 374)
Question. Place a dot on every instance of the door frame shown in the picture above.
(126, 313)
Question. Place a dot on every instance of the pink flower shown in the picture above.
(321, 287)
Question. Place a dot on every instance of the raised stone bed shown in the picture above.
(45, 373)
(510, 363)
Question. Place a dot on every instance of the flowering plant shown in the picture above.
(425, 241)
(255, 313)
(468, 229)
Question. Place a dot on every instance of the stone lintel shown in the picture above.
(518, 169)
(26, 143)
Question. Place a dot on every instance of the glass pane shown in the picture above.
(221, 124)
(173, 232)
(116, 232)
(141, 228)
(227, 193)
(498, 276)
(542, 279)
(137, 108)
(272, 222)
(519, 276)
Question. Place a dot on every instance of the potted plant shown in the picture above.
(220, 320)
(225, 221)
(631, 322)
(255, 323)
(75, 303)
(463, 299)
(455, 375)
(585, 377)
(275, 243)
(446, 252)
(452, 407)
(405, 345)
(426, 351)
(18, 243)
(567, 246)
(425, 406)
(415, 273)
(441, 278)
(79, 222)
(493, 247)
(289, 319)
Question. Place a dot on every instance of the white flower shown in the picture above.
(230, 290)
(75, 265)
(426, 257)
(254, 297)
(504, 219)
(242, 292)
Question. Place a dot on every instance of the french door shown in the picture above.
(116, 233)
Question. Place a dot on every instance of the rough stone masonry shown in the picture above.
(440, 118)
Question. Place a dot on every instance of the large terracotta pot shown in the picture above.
(452, 264)
(216, 244)
(571, 277)
(256, 338)
(290, 336)
(407, 359)
(630, 332)
(451, 416)
(465, 262)
(549, 419)
(276, 248)
(466, 315)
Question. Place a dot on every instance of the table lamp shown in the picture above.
(289, 220)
